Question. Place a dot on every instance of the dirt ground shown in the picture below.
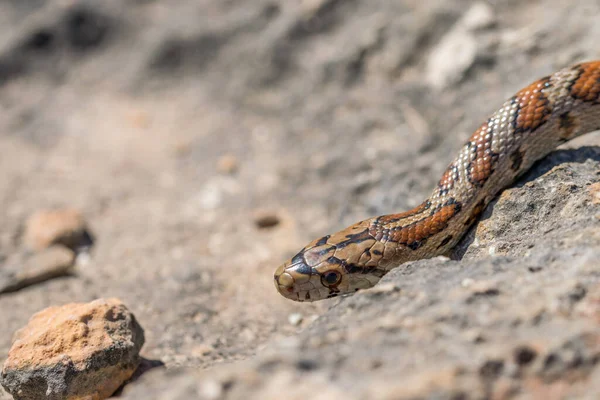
(208, 141)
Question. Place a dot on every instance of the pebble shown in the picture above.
(453, 56)
(458, 50)
(266, 219)
(295, 319)
(227, 164)
(482, 287)
(53, 262)
(65, 226)
(479, 16)
(74, 351)
(381, 288)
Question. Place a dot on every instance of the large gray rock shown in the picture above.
(520, 320)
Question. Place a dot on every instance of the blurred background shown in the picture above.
(208, 141)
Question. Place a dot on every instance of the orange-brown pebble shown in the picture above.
(75, 351)
(64, 226)
(228, 164)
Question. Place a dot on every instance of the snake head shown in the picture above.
(329, 267)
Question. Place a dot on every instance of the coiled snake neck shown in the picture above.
(529, 125)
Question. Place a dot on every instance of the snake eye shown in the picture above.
(331, 278)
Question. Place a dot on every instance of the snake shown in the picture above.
(526, 128)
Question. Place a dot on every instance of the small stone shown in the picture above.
(61, 226)
(211, 389)
(474, 336)
(214, 192)
(75, 351)
(202, 350)
(310, 7)
(295, 319)
(266, 219)
(83, 259)
(483, 288)
(479, 16)
(452, 57)
(50, 263)
(227, 164)
(524, 355)
(381, 288)
(467, 282)
(459, 48)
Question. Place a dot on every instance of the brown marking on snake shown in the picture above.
(534, 107)
(568, 126)
(477, 210)
(377, 250)
(415, 234)
(516, 159)
(365, 257)
(353, 269)
(316, 255)
(446, 240)
(353, 248)
(353, 238)
(587, 85)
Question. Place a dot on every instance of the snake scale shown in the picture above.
(528, 126)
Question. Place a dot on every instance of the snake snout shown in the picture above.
(284, 282)
(293, 280)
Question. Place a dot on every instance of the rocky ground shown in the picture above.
(207, 141)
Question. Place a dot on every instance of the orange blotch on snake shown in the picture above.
(587, 86)
(413, 235)
(482, 163)
(388, 219)
(534, 108)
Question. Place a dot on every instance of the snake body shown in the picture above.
(528, 126)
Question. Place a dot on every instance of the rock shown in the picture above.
(75, 351)
(295, 319)
(49, 263)
(458, 50)
(65, 226)
(265, 219)
(522, 322)
(451, 59)
(227, 164)
(479, 16)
